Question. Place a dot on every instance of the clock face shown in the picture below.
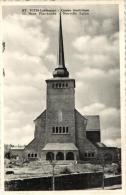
(60, 116)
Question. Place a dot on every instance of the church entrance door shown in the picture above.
(49, 156)
(60, 156)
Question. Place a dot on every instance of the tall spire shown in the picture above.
(61, 60)
(61, 70)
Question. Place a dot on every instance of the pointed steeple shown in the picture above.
(61, 60)
(61, 70)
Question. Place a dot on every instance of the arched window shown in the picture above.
(50, 156)
(60, 156)
(32, 155)
(35, 155)
(29, 155)
(63, 85)
(70, 156)
(60, 85)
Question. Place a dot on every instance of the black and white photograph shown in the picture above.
(62, 121)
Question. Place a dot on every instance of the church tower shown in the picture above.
(60, 102)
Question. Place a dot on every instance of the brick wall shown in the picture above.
(93, 136)
(63, 182)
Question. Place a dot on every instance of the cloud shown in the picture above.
(15, 135)
(109, 122)
(113, 142)
(97, 86)
(67, 20)
(24, 34)
(92, 74)
(25, 75)
(110, 117)
(93, 109)
(102, 52)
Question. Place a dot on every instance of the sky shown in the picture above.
(91, 44)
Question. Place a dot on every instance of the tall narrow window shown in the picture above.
(66, 129)
(66, 84)
(60, 130)
(32, 155)
(63, 129)
(35, 155)
(56, 129)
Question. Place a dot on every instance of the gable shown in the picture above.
(40, 116)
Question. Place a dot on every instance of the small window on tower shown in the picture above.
(63, 85)
(56, 85)
(59, 85)
(53, 85)
(66, 129)
(56, 129)
(63, 129)
(66, 84)
(60, 130)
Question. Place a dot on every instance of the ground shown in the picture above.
(37, 169)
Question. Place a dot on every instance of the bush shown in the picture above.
(66, 170)
(9, 172)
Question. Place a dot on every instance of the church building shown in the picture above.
(61, 131)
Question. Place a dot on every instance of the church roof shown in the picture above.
(60, 146)
(43, 113)
(61, 70)
(18, 147)
(100, 145)
(93, 122)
